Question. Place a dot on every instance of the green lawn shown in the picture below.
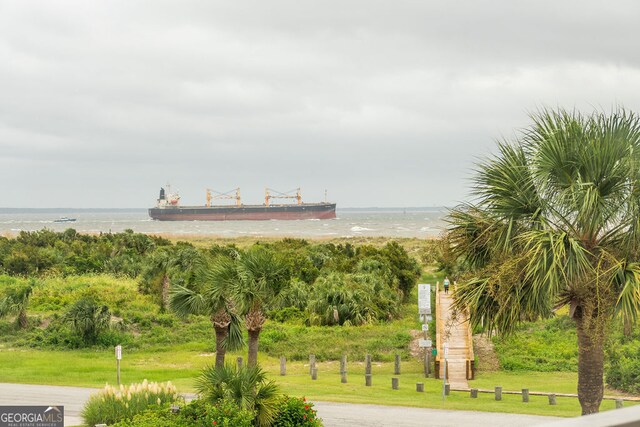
(181, 366)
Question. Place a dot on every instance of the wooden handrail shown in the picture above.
(438, 322)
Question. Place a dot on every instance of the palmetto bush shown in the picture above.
(247, 387)
(352, 299)
(113, 404)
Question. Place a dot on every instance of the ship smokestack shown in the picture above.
(161, 194)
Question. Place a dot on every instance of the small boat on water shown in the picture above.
(65, 219)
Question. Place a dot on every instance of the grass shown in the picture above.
(181, 366)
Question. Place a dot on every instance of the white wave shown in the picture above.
(359, 229)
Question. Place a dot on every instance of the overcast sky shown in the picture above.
(381, 103)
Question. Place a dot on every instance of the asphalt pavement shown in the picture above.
(333, 414)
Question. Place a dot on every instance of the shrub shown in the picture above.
(247, 387)
(623, 369)
(294, 412)
(114, 404)
(196, 414)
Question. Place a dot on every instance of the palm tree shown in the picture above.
(259, 278)
(164, 265)
(210, 295)
(16, 302)
(557, 222)
(246, 386)
(88, 319)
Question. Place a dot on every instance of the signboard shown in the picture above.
(425, 327)
(434, 351)
(424, 298)
(118, 352)
(424, 343)
(445, 346)
(31, 416)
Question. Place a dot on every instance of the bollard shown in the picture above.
(283, 365)
(498, 393)
(312, 362)
(239, 361)
(367, 380)
(367, 368)
(525, 395)
(447, 389)
(394, 383)
(343, 377)
(420, 387)
(552, 399)
(343, 363)
(474, 393)
(619, 403)
(396, 366)
(314, 374)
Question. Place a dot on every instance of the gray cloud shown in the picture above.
(381, 103)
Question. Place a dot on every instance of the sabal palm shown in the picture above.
(16, 303)
(557, 222)
(259, 278)
(210, 295)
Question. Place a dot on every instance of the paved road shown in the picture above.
(333, 414)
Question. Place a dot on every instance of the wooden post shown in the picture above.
(552, 399)
(367, 380)
(283, 366)
(498, 392)
(525, 395)
(427, 363)
(312, 362)
(474, 393)
(343, 363)
(619, 403)
(239, 362)
(343, 377)
(394, 383)
(314, 373)
(420, 387)
(367, 368)
(396, 366)
(447, 389)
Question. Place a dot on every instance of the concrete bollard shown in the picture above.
(367, 363)
(343, 363)
(367, 380)
(396, 366)
(447, 389)
(394, 383)
(314, 374)
(619, 403)
(283, 366)
(525, 395)
(312, 362)
(343, 377)
(420, 387)
(498, 392)
(474, 393)
(239, 362)
(552, 399)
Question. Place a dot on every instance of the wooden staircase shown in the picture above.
(454, 329)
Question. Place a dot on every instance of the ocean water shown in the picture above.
(410, 222)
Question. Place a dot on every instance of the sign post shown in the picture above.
(118, 358)
(424, 311)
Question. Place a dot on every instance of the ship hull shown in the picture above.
(245, 212)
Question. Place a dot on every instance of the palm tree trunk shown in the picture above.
(590, 365)
(254, 335)
(165, 292)
(221, 350)
(22, 319)
(254, 320)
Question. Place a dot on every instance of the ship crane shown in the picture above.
(278, 195)
(232, 194)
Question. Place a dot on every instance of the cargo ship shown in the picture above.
(168, 208)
